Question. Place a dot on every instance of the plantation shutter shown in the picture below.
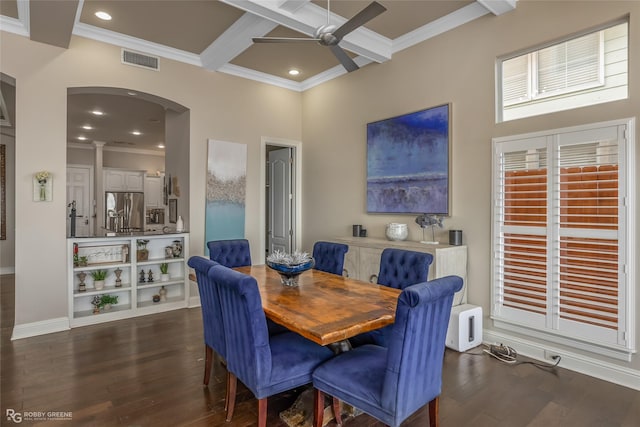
(558, 239)
(515, 80)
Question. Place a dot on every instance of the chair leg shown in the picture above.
(434, 408)
(336, 411)
(318, 407)
(232, 383)
(208, 359)
(262, 412)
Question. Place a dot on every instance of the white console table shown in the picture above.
(362, 262)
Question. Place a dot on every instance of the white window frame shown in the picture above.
(611, 84)
(545, 327)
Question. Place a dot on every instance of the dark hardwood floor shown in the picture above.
(148, 371)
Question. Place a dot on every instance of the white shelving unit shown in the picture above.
(135, 298)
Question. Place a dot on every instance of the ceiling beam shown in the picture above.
(235, 40)
(498, 7)
(307, 18)
(51, 21)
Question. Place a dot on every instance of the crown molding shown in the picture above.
(134, 43)
(258, 76)
(455, 19)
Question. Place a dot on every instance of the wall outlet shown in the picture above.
(551, 356)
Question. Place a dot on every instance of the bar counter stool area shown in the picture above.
(378, 348)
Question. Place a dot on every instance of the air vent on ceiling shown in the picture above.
(140, 60)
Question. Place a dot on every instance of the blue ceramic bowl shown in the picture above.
(291, 269)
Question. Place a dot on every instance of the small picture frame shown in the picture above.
(173, 211)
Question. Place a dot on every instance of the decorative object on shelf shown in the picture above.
(429, 220)
(76, 258)
(177, 248)
(95, 302)
(125, 253)
(82, 286)
(396, 231)
(142, 254)
(118, 272)
(173, 211)
(98, 277)
(150, 276)
(156, 298)
(164, 272)
(100, 254)
(455, 237)
(42, 185)
(163, 294)
(180, 224)
(107, 300)
(356, 230)
(290, 266)
(141, 278)
(168, 252)
(83, 261)
(363, 232)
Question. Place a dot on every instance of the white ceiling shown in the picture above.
(217, 35)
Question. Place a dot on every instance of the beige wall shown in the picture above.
(221, 107)
(458, 68)
(121, 159)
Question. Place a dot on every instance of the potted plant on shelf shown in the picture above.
(107, 300)
(98, 278)
(142, 253)
(164, 272)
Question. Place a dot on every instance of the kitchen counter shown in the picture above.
(111, 234)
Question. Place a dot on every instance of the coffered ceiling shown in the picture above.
(217, 35)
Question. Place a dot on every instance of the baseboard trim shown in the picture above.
(7, 270)
(43, 327)
(575, 362)
(194, 301)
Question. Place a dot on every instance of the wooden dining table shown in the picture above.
(324, 307)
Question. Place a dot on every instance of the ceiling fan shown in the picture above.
(328, 35)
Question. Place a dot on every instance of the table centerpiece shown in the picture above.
(290, 266)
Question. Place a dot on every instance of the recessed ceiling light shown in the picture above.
(82, 138)
(161, 145)
(136, 132)
(87, 127)
(293, 72)
(103, 15)
(131, 93)
(97, 112)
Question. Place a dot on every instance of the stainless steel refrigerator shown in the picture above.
(124, 211)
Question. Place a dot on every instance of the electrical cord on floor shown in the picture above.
(508, 355)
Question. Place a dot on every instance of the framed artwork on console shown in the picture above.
(409, 163)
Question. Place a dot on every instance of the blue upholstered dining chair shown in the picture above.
(265, 364)
(329, 256)
(399, 268)
(230, 253)
(211, 313)
(392, 383)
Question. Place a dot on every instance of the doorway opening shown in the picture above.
(281, 195)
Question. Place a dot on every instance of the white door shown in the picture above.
(280, 201)
(79, 185)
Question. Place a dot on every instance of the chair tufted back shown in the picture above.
(400, 268)
(329, 256)
(416, 347)
(210, 304)
(230, 253)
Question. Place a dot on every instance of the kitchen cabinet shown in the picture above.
(135, 296)
(123, 180)
(153, 191)
(362, 261)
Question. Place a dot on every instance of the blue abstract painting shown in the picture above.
(408, 163)
(226, 188)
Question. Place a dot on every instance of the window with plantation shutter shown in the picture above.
(561, 235)
(587, 69)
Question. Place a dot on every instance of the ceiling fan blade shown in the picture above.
(365, 15)
(344, 59)
(283, 39)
